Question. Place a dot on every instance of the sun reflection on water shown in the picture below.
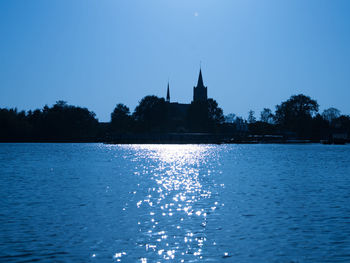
(178, 203)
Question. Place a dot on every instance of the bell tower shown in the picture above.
(200, 93)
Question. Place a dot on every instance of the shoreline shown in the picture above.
(295, 142)
(185, 138)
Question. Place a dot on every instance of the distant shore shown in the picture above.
(185, 138)
(156, 121)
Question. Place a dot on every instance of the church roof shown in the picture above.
(168, 93)
(200, 79)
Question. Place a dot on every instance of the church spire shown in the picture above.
(200, 93)
(168, 94)
(200, 79)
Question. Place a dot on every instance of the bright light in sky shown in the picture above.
(96, 54)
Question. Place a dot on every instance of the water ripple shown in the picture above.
(176, 203)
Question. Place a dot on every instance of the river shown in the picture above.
(174, 203)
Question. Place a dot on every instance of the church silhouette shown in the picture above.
(177, 112)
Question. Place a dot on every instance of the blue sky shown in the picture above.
(96, 54)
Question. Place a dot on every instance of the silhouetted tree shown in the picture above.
(331, 114)
(60, 122)
(215, 114)
(251, 117)
(342, 123)
(151, 114)
(266, 116)
(230, 118)
(241, 124)
(13, 125)
(320, 128)
(120, 118)
(262, 127)
(296, 113)
(66, 122)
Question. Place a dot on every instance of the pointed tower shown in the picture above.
(168, 94)
(200, 92)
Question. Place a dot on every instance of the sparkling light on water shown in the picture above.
(176, 202)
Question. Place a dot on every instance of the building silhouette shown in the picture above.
(200, 93)
(177, 112)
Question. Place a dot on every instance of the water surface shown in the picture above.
(176, 203)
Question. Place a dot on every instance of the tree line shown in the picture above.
(297, 117)
(61, 122)
(153, 114)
